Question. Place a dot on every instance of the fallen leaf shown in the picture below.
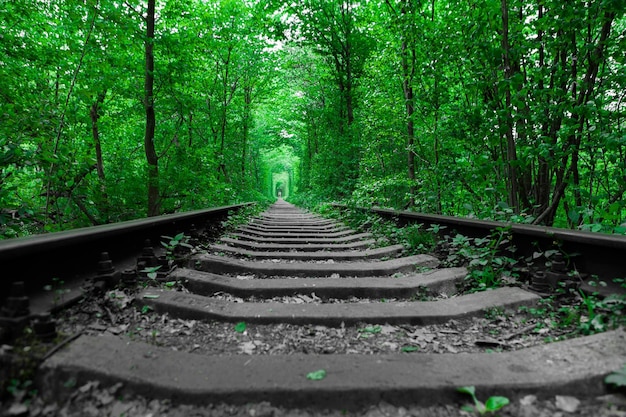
(567, 403)
(388, 329)
(528, 400)
(370, 329)
(240, 327)
(306, 298)
(17, 410)
(247, 347)
(316, 375)
(391, 345)
(408, 349)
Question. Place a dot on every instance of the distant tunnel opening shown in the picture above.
(280, 184)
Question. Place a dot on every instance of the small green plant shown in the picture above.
(242, 216)
(417, 240)
(598, 313)
(485, 258)
(617, 378)
(151, 272)
(23, 391)
(57, 287)
(492, 404)
(174, 244)
(423, 293)
(494, 313)
(240, 327)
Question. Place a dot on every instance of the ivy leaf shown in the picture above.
(316, 375)
(408, 349)
(240, 327)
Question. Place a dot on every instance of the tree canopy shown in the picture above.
(501, 109)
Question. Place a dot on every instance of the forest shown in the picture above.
(495, 109)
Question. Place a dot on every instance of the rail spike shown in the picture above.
(15, 312)
(45, 327)
(147, 259)
(558, 275)
(107, 275)
(17, 303)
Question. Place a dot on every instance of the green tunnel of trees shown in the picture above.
(501, 109)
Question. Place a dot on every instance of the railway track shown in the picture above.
(300, 311)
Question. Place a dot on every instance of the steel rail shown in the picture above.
(73, 254)
(596, 254)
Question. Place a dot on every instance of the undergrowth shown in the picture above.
(489, 260)
(243, 216)
(414, 237)
(579, 312)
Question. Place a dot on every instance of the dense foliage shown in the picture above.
(509, 109)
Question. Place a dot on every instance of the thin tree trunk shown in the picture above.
(94, 114)
(595, 57)
(151, 155)
(246, 128)
(410, 126)
(511, 151)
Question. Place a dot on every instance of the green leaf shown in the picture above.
(617, 378)
(470, 390)
(409, 349)
(240, 327)
(371, 329)
(316, 375)
(70, 383)
(574, 216)
(495, 403)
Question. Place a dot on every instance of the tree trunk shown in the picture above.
(572, 146)
(246, 128)
(410, 126)
(511, 151)
(94, 114)
(151, 155)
